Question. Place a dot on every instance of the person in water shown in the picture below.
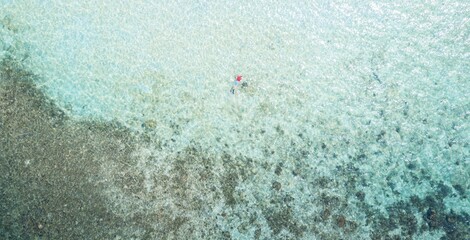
(236, 83)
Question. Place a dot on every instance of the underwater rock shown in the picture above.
(150, 124)
(325, 214)
(341, 221)
(431, 218)
(277, 186)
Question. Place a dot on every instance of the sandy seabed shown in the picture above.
(347, 129)
(65, 179)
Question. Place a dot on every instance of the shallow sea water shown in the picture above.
(116, 120)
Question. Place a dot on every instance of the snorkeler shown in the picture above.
(235, 84)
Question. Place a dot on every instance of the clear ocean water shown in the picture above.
(354, 123)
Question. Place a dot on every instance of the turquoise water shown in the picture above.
(351, 109)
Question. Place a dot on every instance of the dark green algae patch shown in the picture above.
(48, 164)
(51, 186)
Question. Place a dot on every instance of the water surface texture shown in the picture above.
(116, 120)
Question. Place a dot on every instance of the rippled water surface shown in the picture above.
(116, 119)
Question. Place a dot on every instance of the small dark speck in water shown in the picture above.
(376, 77)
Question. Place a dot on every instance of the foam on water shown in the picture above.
(323, 76)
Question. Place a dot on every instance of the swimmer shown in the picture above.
(235, 84)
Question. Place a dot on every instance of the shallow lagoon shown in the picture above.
(117, 121)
